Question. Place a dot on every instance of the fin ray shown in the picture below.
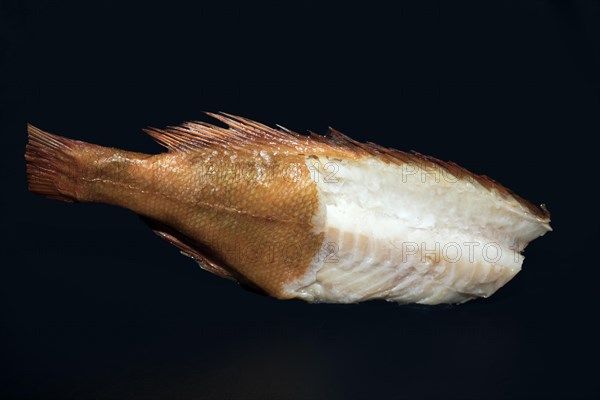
(186, 248)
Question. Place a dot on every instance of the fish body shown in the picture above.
(319, 218)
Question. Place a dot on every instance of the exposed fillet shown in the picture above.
(409, 235)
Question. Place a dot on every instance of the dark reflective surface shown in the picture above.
(94, 305)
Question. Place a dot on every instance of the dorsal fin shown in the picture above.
(244, 134)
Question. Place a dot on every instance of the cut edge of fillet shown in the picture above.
(390, 235)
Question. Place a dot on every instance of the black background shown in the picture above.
(94, 305)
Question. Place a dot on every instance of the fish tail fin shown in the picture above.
(51, 165)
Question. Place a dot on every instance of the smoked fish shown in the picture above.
(318, 218)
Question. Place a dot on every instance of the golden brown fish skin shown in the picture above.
(252, 212)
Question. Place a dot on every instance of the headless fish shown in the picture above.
(319, 218)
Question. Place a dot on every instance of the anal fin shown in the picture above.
(186, 247)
